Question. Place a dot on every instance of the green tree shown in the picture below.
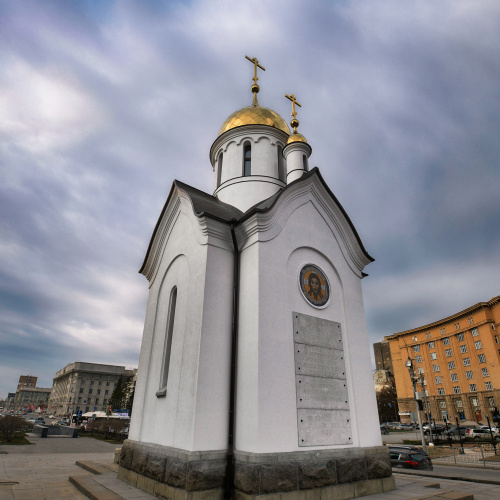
(118, 398)
(10, 424)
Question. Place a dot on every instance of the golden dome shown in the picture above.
(254, 115)
(296, 137)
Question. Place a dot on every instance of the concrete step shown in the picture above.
(93, 490)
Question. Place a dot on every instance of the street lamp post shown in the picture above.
(409, 365)
(422, 385)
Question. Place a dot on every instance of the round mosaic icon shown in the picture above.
(314, 285)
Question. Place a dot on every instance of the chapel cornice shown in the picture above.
(266, 220)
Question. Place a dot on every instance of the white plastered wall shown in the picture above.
(187, 417)
(266, 404)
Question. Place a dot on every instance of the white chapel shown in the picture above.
(255, 374)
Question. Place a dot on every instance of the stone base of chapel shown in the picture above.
(304, 475)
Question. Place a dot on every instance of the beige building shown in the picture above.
(30, 398)
(459, 357)
(84, 387)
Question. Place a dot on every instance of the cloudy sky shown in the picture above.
(104, 104)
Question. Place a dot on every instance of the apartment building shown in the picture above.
(84, 387)
(459, 358)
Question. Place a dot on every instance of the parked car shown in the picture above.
(479, 434)
(409, 459)
(453, 430)
(436, 429)
(495, 430)
(411, 448)
(384, 429)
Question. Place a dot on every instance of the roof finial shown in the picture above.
(255, 87)
(294, 123)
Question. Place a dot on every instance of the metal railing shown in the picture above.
(471, 455)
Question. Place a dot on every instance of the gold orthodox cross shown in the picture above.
(294, 123)
(255, 66)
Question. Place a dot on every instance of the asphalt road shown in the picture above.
(475, 474)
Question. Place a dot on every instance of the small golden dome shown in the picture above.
(296, 138)
(254, 115)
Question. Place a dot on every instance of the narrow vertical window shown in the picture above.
(168, 339)
(281, 166)
(247, 159)
(219, 170)
(304, 162)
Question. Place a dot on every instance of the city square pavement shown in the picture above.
(41, 471)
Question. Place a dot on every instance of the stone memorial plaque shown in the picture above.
(322, 393)
(316, 331)
(319, 361)
(323, 416)
(323, 427)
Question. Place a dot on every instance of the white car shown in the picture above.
(495, 430)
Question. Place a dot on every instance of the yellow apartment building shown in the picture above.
(459, 357)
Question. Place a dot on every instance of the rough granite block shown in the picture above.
(317, 474)
(378, 466)
(139, 461)
(156, 467)
(351, 469)
(175, 473)
(246, 477)
(278, 477)
(205, 475)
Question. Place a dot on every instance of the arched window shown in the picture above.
(304, 162)
(281, 164)
(219, 169)
(168, 339)
(247, 159)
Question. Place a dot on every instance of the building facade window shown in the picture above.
(475, 333)
(456, 390)
(420, 371)
(219, 170)
(460, 337)
(440, 391)
(451, 365)
(484, 372)
(435, 368)
(442, 404)
(448, 353)
(474, 402)
(482, 358)
(281, 164)
(247, 159)
(458, 402)
(472, 388)
(416, 348)
(496, 339)
(454, 377)
(463, 349)
(442, 331)
(446, 341)
(491, 401)
(457, 326)
(438, 380)
(418, 359)
(434, 355)
(431, 345)
(90, 391)
(471, 321)
(168, 339)
(466, 361)
(469, 374)
(478, 344)
(489, 387)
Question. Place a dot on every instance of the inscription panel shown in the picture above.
(321, 393)
(316, 331)
(319, 361)
(323, 416)
(323, 427)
